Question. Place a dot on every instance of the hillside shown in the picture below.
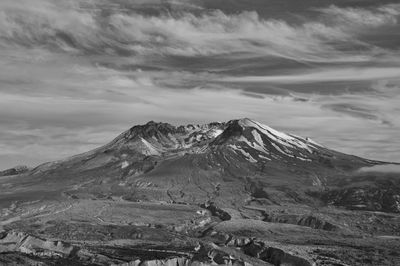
(234, 193)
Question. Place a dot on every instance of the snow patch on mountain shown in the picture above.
(278, 137)
(310, 141)
(244, 153)
(281, 151)
(124, 164)
(151, 150)
(263, 157)
(304, 159)
(213, 133)
(254, 145)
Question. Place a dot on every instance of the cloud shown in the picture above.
(353, 110)
(74, 74)
(73, 29)
(342, 74)
(351, 18)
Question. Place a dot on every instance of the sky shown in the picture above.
(76, 73)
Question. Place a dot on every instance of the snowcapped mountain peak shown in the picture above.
(259, 142)
(243, 141)
(246, 122)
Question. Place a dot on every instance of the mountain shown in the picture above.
(224, 193)
(243, 140)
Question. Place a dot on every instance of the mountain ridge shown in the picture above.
(190, 135)
(245, 140)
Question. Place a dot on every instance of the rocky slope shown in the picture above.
(15, 170)
(234, 193)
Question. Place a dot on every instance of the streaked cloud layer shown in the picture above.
(73, 74)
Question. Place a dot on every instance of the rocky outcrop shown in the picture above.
(385, 198)
(265, 252)
(303, 220)
(277, 257)
(316, 223)
(215, 211)
(165, 262)
(15, 170)
(24, 243)
(185, 262)
(261, 250)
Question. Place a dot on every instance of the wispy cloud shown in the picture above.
(352, 18)
(343, 74)
(69, 27)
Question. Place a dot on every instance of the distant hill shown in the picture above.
(15, 170)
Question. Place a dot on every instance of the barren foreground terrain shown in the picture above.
(235, 193)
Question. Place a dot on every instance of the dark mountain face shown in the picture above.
(201, 193)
